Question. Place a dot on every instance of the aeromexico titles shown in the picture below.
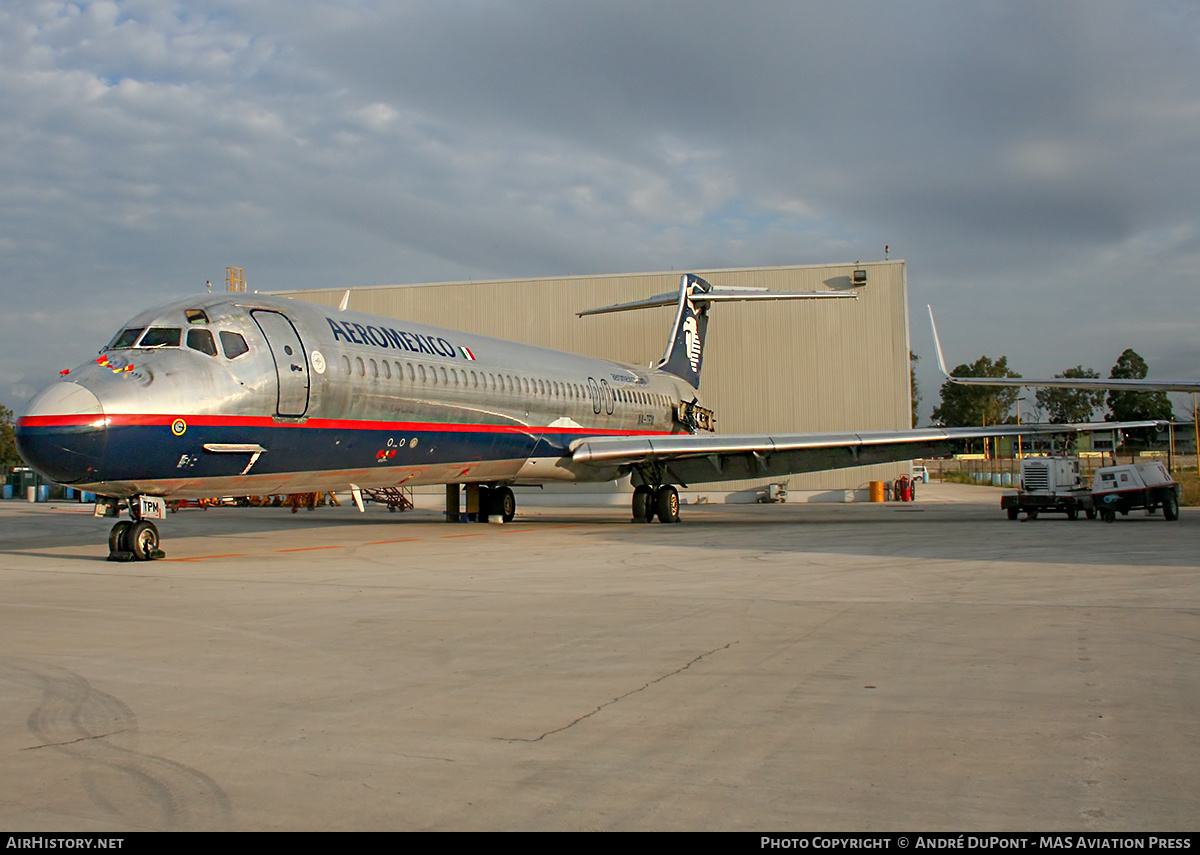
(244, 394)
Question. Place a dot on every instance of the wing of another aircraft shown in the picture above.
(1146, 385)
(690, 458)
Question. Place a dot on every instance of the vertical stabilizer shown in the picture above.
(685, 350)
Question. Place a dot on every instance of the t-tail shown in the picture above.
(685, 351)
(684, 356)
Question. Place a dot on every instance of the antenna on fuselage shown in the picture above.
(345, 301)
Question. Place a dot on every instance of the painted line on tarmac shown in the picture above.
(207, 557)
(371, 543)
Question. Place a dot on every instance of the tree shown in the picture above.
(913, 359)
(8, 441)
(964, 406)
(1136, 406)
(1065, 406)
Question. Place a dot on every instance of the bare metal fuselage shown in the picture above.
(322, 399)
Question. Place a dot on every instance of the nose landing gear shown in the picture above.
(135, 539)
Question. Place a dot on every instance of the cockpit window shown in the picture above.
(196, 316)
(160, 337)
(126, 338)
(233, 344)
(202, 340)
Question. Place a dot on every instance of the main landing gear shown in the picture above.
(653, 497)
(649, 502)
(496, 502)
(134, 539)
(482, 502)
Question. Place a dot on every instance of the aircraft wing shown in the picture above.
(1110, 383)
(691, 458)
(1122, 385)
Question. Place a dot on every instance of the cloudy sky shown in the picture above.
(1037, 163)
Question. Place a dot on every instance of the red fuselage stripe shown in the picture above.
(152, 419)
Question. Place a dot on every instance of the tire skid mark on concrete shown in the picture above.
(89, 726)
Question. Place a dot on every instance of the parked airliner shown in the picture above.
(244, 394)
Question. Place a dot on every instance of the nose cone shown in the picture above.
(62, 434)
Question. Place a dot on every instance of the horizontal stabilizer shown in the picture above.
(720, 295)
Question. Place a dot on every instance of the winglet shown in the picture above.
(937, 345)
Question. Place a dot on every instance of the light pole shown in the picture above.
(1019, 400)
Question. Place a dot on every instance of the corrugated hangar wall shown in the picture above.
(775, 367)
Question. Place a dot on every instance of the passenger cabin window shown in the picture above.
(233, 344)
(202, 340)
(161, 337)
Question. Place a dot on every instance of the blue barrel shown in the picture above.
(8, 491)
(43, 493)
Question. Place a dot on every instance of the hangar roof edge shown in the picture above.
(700, 271)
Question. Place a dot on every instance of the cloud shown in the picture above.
(1018, 155)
